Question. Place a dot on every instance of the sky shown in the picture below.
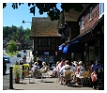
(15, 17)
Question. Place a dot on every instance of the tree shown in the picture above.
(17, 33)
(27, 34)
(12, 47)
(51, 9)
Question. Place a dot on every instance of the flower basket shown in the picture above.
(26, 66)
(17, 72)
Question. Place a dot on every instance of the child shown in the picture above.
(94, 78)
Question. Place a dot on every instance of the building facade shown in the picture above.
(91, 23)
(45, 39)
(85, 39)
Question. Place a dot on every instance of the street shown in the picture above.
(12, 62)
(14, 59)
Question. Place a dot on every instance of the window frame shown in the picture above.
(90, 14)
(82, 23)
(43, 42)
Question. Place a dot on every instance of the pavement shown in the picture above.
(47, 83)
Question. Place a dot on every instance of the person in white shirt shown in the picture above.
(54, 72)
(60, 65)
(34, 67)
(65, 68)
(44, 67)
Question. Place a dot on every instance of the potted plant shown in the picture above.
(17, 72)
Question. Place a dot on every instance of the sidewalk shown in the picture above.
(47, 84)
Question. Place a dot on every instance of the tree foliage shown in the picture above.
(51, 9)
(12, 47)
(17, 33)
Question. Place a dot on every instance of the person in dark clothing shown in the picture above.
(31, 63)
(96, 65)
(40, 63)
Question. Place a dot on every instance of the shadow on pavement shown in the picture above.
(48, 82)
(6, 74)
(18, 89)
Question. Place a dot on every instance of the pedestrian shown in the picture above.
(21, 62)
(54, 72)
(24, 59)
(17, 63)
(94, 78)
(30, 63)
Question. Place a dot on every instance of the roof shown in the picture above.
(73, 15)
(44, 27)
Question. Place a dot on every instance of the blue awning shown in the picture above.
(65, 50)
(60, 47)
(72, 46)
(76, 41)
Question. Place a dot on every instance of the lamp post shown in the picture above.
(23, 21)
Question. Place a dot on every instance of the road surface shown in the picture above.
(12, 62)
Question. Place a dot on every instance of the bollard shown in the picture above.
(11, 78)
(22, 72)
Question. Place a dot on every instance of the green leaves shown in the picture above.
(17, 70)
(50, 8)
(67, 6)
(15, 5)
(32, 10)
(12, 47)
(4, 5)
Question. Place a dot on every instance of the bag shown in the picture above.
(94, 77)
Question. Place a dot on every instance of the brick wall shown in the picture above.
(74, 26)
(88, 24)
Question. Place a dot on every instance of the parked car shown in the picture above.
(18, 55)
(7, 59)
(24, 51)
(4, 66)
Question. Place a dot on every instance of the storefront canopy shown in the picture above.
(61, 47)
(72, 46)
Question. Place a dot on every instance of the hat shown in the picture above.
(57, 62)
(67, 62)
(67, 68)
(36, 63)
(43, 63)
(80, 63)
(74, 63)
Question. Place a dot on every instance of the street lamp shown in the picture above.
(23, 21)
